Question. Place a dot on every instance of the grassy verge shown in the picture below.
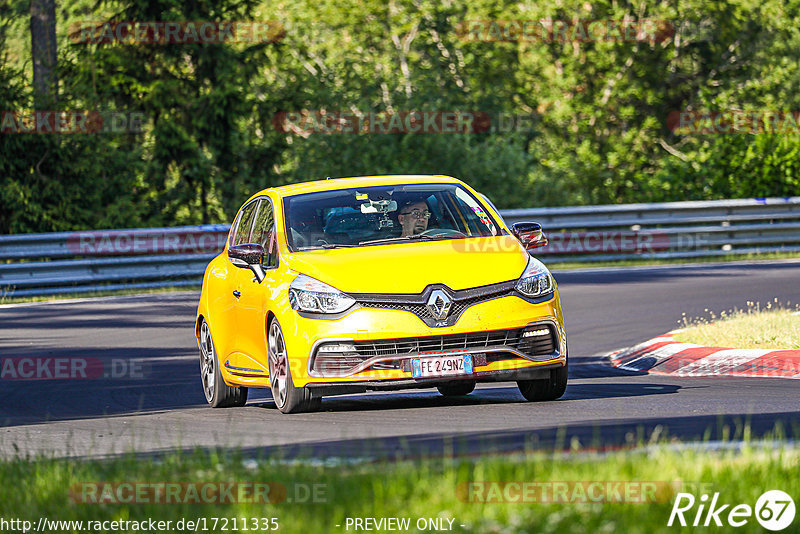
(668, 261)
(112, 293)
(769, 327)
(442, 489)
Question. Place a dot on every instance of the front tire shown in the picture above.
(545, 390)
(217, 392)
(288, 399)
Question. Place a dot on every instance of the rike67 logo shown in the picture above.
(774, 510)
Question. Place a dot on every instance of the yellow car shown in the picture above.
(377, 283)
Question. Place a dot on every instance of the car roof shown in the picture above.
(360, 181)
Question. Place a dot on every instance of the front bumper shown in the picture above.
(319, 389)
(304, 335)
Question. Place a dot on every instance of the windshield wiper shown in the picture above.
(335, 245)
(326, 246)
(399, 238)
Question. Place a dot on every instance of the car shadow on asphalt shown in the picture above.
(580, 368)
(506, 394)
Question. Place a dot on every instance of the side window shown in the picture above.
(244, 225)
(264, 233)
(491, 205)
(474, 212)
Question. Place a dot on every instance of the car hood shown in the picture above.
(410, 267)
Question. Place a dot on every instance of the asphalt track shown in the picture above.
(162, 407)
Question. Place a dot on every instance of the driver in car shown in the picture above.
(413, 217)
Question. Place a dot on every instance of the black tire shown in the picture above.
(288, 399)
(456, 388)
(217, 392)
(547, 389)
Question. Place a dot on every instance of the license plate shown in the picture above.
(460, 364)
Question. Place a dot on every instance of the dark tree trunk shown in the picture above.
(43, 50)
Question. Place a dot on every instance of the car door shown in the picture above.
(224, 301)
(253, 297)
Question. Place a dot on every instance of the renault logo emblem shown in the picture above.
(439, 304)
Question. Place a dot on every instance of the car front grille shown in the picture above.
(535, 341)
(477, 340)
(417, 303)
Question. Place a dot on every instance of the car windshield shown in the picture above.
(384, 214)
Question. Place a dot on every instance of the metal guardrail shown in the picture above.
(667, 230)
(78, 262)
(140, 258)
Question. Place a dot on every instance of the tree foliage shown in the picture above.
(595, 112)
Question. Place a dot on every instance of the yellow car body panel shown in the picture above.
(239, 324)
(499, 314)
(458, 264)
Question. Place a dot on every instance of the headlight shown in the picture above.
(310, 295)
(536, 280)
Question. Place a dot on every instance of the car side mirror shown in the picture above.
(248, 256)
(530, 234)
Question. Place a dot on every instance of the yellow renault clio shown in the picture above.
(377, 283)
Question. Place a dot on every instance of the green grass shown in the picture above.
(415, 489)
(772, 326)
(113, 293)
(669, 261)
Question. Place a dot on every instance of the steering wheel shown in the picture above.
(443, 232)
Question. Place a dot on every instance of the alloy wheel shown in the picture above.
(278, 364)
(208, 360)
